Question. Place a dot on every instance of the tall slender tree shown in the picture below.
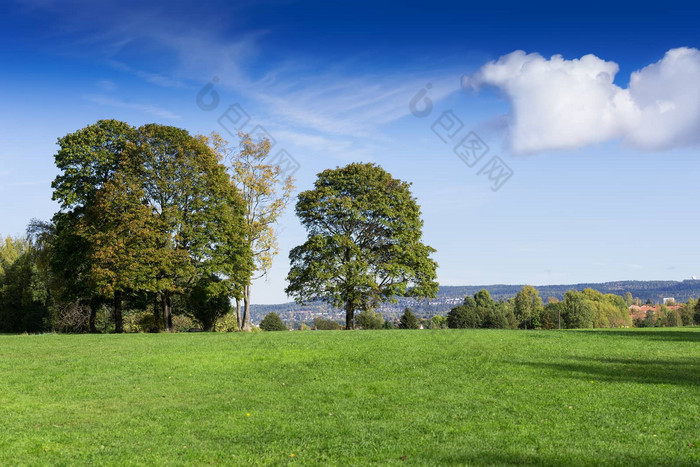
(266, 193)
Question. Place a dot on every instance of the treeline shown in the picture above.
(585, 309)
(655, 291)
(150, 221)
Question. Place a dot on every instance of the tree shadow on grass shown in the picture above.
(655, 335)
(496, 457)
(679, 372)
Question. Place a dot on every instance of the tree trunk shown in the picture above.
(93, 316)
(239, 323)
(118, 320)
(157, 312)
(246, 309)
(349, 316)
(167, 311)
(91, 320)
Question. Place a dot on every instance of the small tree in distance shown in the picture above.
(370, 319)
(323, 324)
(272, 322)
(408, 320)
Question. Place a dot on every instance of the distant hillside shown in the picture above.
(449, 296)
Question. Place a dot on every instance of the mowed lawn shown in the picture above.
(363, 397)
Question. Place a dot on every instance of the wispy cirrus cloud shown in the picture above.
(123, 104)
(153, 78)
(338, 100)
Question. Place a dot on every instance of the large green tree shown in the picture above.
(87, 159)
(145, 211)
(124, 243)
(364, 243)
(199, 214)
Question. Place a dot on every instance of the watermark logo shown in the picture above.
(447, 126)
(420, 100)
(497, 172)
(207, 98)
(234, 119)
(469, 147)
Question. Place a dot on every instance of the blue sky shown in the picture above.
(605, 166)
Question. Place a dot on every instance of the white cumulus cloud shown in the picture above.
(564, 104)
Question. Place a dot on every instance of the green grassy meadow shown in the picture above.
(362, 397)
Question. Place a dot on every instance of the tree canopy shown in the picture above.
(364, 243)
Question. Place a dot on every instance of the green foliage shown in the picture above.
(408, 320)
(25, 297)
(140, 321)
(481, 311)
(364, 242)
(686, 312)
(259, 184)
(147, 210)
(528, 308)
(206, 303)
(10, 251)
(369, 319)
(323, 324)
(226, 323)
(272, 322)
(551, 315)
(439, 322)
(673, 319)
(182, 323)
(577, 311)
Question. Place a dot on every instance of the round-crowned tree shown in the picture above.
(272, 322)
(364, 244)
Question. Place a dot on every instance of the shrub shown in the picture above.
(369, 319)
(272, 322)
(182, 323)
(408, 320)
(72, 317)
(323, 324)
(140, 321)
(226, 323)
(206, 303)
(439, 322)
